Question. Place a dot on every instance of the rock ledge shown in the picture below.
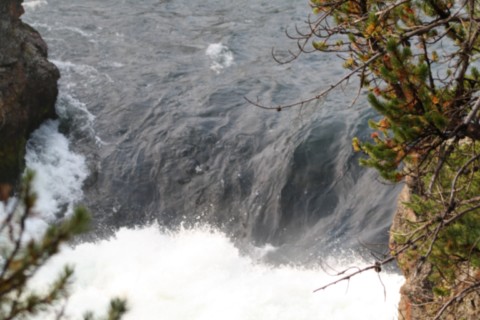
(28, 87)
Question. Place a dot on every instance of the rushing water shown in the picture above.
(205, 206)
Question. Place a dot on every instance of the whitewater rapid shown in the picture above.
(190, 273)
(199, 274)
(186, 274)
(194, 273)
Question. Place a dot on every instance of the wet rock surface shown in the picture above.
(28, 87)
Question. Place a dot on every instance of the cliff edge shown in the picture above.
(28, 87)
(419, 299)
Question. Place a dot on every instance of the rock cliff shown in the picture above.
(418, 299)
(28, 87)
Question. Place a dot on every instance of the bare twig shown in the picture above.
(458, 297)
(321, 94)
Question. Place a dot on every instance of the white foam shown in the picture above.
(76, 30)
(199, 274)
(33, 4)
(59, 175)
(82, 69)
(117, 65)
(72, 109)
(80, 120)
(220, 55)
(59, 171)
(54, 27)
(35, 226)
(112, 64)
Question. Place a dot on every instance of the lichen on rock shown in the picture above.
(28, 87)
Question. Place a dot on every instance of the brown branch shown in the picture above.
(419, 30)
(461, 214)
(473, 112)
(455, 179)
(18, 241)
(440, 164)
(376, 266)
(321, 94)
(456, 298)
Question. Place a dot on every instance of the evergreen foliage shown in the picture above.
(21, 256)
(417, 61)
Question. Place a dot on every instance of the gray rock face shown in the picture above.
(28, 87)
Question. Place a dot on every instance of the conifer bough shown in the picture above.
(417, 60)
(21, 257)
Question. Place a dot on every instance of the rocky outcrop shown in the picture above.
(416, 293)
(418, 300)
(28, 87)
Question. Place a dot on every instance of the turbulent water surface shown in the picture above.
(204, 206)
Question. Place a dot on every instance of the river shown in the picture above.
(206, 207)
